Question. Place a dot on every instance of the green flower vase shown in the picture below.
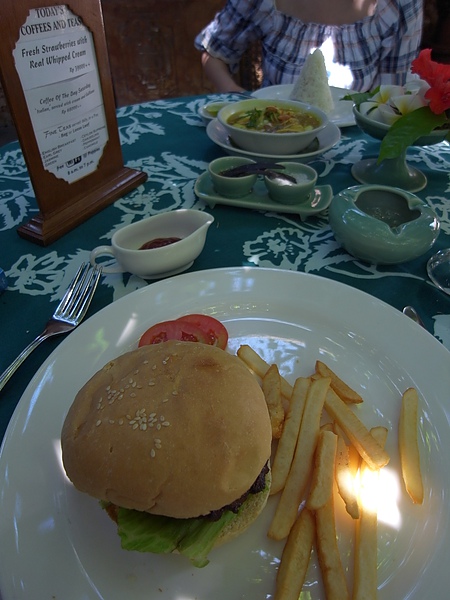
(393, 172)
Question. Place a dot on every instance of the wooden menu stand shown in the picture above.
(56, 78)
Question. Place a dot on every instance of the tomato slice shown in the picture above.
(189, 328)
(215, 331)
(173, 330)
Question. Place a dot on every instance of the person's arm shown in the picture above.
(218, 73)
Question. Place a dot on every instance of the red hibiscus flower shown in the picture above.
(437, 75)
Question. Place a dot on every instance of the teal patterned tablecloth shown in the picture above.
(168, 141)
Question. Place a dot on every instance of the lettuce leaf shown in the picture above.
(193, 538)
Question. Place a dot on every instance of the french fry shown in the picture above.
(259, 366)
(328, 554)
(354, 460)
(323, 473)
(345, 478)
(295, 558)
(253, 360)
(309, 454)
(344, 391)
(271, 387)
(288, 441)
(365, 565)
(380, 434)
(287, 508)
(327, 427)
(358, 434)
(409, 445)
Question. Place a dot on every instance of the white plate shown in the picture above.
(342, 115)
(326, 139)
(259, 198)
(57, 542)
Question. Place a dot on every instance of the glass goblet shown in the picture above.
(438, 269)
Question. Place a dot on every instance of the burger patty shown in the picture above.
(257, 487)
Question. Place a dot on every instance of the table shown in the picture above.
(167, 140)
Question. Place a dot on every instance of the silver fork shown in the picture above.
(68, 314)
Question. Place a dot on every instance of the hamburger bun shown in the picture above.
(177, 429)
(248, 513)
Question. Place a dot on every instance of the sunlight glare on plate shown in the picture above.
(128, 331)
(388, 501)
(379, 491)
(58, 455)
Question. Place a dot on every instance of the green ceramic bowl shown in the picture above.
(285, 192)
(209, 111)
(381, 224)
(270, 144)
(231, 187)
(378, 130)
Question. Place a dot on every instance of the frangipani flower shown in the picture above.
(418, 87)
(389, 113)
(408, 102)
(382, 113)
(392, 101)
(386, 92)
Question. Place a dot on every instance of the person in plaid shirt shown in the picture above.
(365, 42)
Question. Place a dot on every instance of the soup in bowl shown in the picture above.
(273, 127)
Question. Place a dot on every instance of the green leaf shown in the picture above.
(201, 539)
(194, 538)
(144, 532)
(359, 97)
(409, 128)
(255, 116)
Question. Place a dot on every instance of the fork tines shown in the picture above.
(78, 296)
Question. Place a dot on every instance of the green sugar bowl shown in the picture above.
(381, 224)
